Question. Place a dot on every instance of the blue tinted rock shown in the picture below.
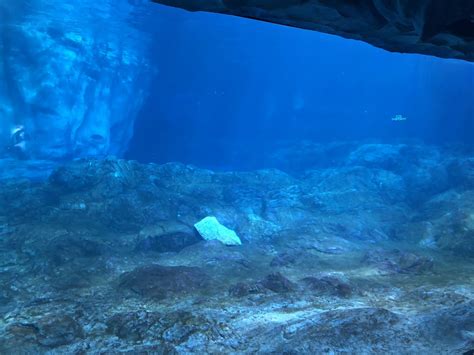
(157, 281)
(74, 75)
(166, 237)
(210, 229)
(461, 172)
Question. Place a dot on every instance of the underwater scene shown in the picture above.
(237, 177)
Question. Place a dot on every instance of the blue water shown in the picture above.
(189, 183)
(227, 89)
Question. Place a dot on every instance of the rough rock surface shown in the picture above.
(73, 75)
(364, 251)
(435, 27)
(158, 281)
(210, 229)
(167, 236)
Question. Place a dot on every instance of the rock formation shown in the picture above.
(349, 256)
(435, 27)
(73, 75)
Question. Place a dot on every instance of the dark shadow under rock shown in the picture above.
(398, 262)
(278, 283)
(73, 178)
(243, 289)
(328, 284)
(214, 254)
(157, 281)
(72, 280)
(167, 237)
(274, 282)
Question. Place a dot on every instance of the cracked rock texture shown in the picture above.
(434, 27)
(346, 254)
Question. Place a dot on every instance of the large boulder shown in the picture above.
(388, 262)
(449, 219)
(210, 229)
(380, 156)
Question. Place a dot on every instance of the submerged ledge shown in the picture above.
(433, 27)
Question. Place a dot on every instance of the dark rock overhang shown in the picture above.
(443, 28)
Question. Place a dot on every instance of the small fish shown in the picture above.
(399, 118)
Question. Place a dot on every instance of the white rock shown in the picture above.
(210, 229)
